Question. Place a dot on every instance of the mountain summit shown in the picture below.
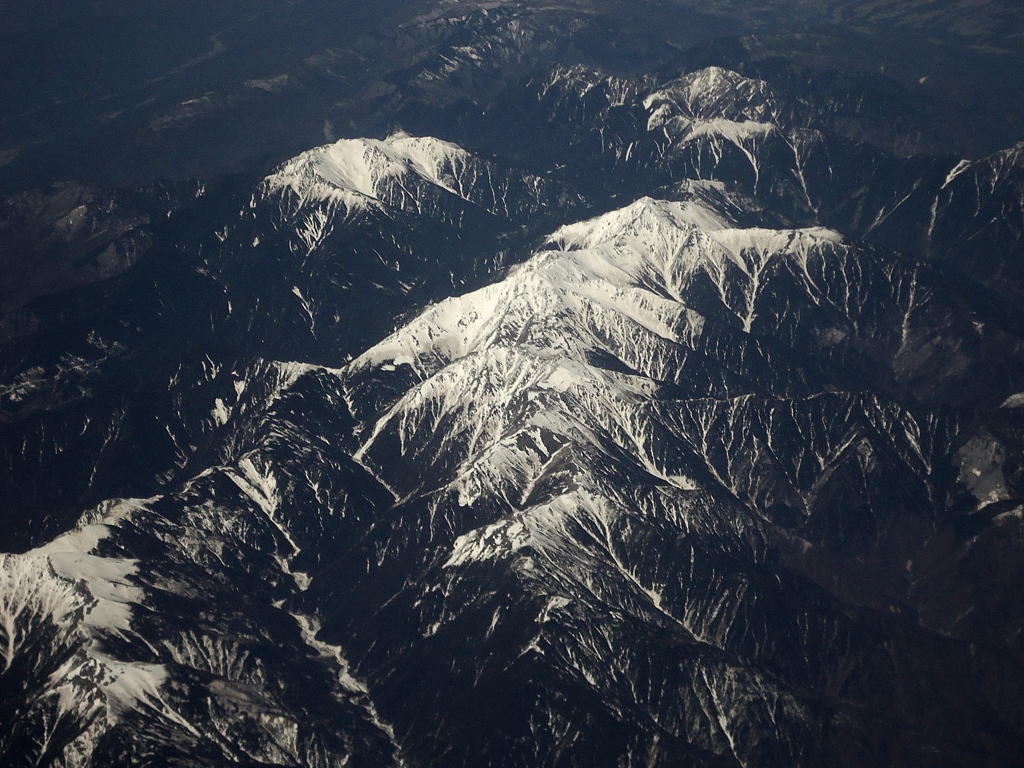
(637, 419)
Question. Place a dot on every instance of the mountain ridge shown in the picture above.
(651, 456)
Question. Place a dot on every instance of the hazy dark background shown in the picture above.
(126, 92)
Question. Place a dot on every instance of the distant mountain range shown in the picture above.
(595, 402)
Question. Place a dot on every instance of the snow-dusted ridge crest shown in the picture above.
(359, 172)
(493, 370)
(611, 263)
(355, 169)
(402, 175)
(717, 94)
(71, 602)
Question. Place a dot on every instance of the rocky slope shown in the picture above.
(683, 431)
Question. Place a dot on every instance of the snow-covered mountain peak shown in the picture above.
(619, 283)
(666, 235)
(604, 260)
(718, 102)
(421, 175)
(648, 219)
(356, 169)
(715, 93)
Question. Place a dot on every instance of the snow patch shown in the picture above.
(957, 169)
(1014, 401)
(107, 579)
(220, 412)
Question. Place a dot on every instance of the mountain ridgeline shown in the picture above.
(633, 421)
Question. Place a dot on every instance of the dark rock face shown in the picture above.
(642, 419)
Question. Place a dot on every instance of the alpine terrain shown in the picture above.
(614, 390)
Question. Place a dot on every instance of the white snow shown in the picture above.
(499, 539)
(107, 579)
(30, 595)
(309, 626)
(220, 412)
(736, 132)
(652, 222)
(957, 169)
(259, 486)
(111, 597)
(351, 164)
(128, 685)
(1014, 401)
(496, 362)
(354, 170)
(712, 94)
